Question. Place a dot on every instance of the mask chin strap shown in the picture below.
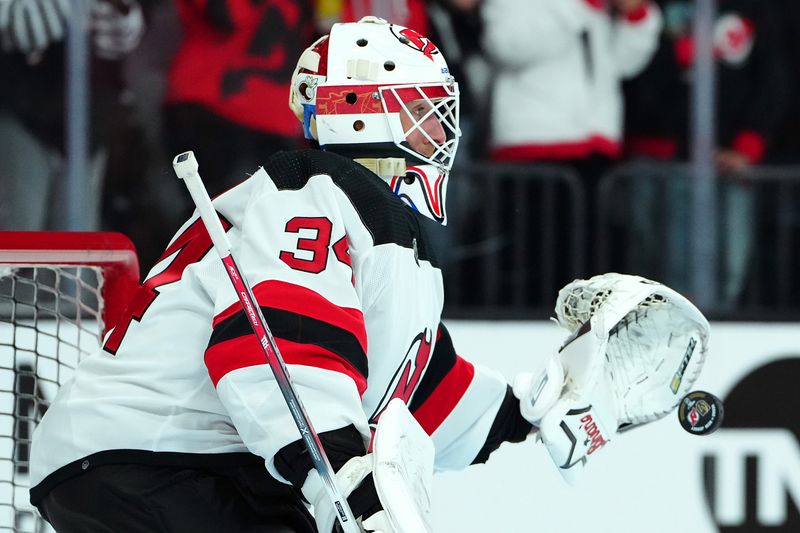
(386, 167)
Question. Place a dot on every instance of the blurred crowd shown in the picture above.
(583, 84)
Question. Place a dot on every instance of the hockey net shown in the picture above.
(59, 293)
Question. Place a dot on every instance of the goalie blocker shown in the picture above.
(400, 467)
(635, 349)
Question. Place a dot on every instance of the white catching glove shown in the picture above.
(30, 26)
(117, 27)
(401, 465)
(636, 348)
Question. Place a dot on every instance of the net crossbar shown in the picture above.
(59, 294)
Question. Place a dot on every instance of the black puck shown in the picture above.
(700, 413)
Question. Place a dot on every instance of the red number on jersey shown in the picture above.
(191, 246)
(318, 246)
(342, 253)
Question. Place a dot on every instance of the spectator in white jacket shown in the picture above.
(559, 65)
(557, 96)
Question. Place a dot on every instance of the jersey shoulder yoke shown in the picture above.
(385, 215)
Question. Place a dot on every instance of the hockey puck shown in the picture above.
(700, 413)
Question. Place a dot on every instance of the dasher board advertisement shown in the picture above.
(743, 478)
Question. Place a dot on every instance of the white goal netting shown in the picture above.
(51, 316)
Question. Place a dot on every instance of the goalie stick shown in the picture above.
(186, 167)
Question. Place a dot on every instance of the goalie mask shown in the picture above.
(382, 94)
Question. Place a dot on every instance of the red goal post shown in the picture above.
(60, 292)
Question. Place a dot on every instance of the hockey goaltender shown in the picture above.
(178, 423)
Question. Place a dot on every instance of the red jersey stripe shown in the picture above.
(443, 400)
(242, 352)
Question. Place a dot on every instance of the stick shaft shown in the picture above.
(208, 214)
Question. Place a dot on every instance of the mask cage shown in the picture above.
(419, 104)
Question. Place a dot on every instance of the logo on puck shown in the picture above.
(700, 413)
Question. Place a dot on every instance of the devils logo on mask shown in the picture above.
(414, 40)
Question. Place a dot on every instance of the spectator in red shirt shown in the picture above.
(228, 81)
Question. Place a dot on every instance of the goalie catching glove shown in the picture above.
(635, 349)
(388, 489)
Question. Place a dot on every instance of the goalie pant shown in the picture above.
(352, 291)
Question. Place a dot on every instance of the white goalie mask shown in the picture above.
(383, 95)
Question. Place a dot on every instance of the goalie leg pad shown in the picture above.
(403, 473)
(401, 465)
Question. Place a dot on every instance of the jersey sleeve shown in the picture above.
(292, 248)
(635, 39)
(457, 403)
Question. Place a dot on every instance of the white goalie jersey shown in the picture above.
(353, 295)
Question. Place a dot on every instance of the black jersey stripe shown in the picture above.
(442, 362)
(297, 328)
